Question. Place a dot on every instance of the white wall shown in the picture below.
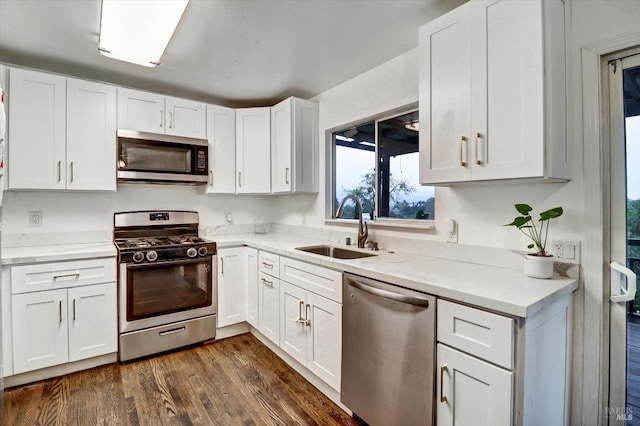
(88, 217)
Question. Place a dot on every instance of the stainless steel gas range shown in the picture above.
(166, 282)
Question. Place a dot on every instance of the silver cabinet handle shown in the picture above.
(300, 306)
(307, 313)
(443, 398)
(267, 265)
(71, 170)
(60, 310)
(76, 275)
(239, 178)
(402, 298)
(286, 175)
(222, 265)
(265, 281)
(74, 309)
(175, 330)
(59, 171)
(478, 139)
(210, 177)
(170, 120)
(161, 117)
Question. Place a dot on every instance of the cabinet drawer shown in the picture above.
(47, 276)
(479, 333)
(269, 263)
(322, 281)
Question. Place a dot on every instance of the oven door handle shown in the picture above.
(204, 259)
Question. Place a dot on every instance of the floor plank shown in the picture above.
(235, 381)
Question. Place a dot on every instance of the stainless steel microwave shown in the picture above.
(155, 158)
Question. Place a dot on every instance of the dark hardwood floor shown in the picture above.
(236, 381)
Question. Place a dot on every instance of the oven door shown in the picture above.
(152, 294)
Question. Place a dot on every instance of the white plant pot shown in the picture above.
(538, 266)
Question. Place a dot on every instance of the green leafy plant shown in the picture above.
(538, 234)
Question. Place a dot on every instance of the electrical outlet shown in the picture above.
(228, 217)
(35, 218)
(451, 231)
(566, 251)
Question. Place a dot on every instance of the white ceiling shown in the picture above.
(230, 52)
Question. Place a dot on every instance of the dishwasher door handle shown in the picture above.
(403, 298)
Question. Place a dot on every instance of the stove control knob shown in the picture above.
(202, 251)
(138, 256)
(192, 252)
(152, 255)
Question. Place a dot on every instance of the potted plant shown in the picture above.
(540, 263)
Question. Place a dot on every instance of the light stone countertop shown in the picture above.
(499, 289)
(54, 253)
(503, 290)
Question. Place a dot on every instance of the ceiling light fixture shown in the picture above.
(414, 125)
(138, 31)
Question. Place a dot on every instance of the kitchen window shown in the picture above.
(377, 162)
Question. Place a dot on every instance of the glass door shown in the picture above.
(624, 354)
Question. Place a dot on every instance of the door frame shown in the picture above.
(596, 143)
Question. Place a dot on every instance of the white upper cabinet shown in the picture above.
(142, 111)
(444, 98)
(185, 118)
(37, 119)
(221, 133)
(253, 150)
(493, 93)
(70, 124)
(151, 112)
(91, 130)
(294, 146)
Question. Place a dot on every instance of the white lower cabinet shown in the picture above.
(471, 391)
(40, 330)
(232, 285)
(57, 326)
(497, 370)
(311, 332)
(252, 286)
(269, 307)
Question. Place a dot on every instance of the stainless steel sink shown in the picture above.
(335, 252)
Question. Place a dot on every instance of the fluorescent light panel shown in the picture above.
(138, 31)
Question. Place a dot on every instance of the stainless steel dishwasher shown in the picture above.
(388, 349)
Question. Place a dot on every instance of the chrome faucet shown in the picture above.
(363, 231)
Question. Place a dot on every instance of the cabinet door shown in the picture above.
(269, 307)
(39, 330)
(185, 118)
(305, 174)
(221, 132)
(252, 285)
(141, 111)
(281, 146)
(36, 130)
(324, 339)
(508, 89)
(232, 291)
(293, 327)
(445, 98)
(253, 151)
(470, 391)
(91, 136)
(93, 321)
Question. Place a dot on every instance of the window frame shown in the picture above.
(330, 192)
